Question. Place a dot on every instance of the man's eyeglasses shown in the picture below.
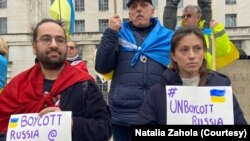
(71, 47)
(187, 15)
(46, 40)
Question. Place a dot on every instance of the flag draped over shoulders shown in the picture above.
(25, 93)
(156, 46)
(64, 10)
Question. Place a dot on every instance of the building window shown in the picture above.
(103, 5)
(124, 4)
(237, 43)
(3, 25)
(3, 4)
(155, 3)
(230, 20)
(103, 24)
(79, 26)
(79, 5)
(230, 2)
(80, 49)
(180, 4)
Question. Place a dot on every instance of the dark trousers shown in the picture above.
(121, 133)
(170, 12)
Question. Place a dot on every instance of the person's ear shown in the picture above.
(129, 15)
(153, 11)
(34, 48)
(172, 55)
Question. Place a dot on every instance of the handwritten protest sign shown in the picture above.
(54, 126)
(199, 105)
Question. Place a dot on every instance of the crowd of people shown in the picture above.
(143, 56)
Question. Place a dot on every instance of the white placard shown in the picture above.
(199, 105)
(53, 126)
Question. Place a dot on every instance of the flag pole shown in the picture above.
(115, 6)
(213, 44)
(60, 11)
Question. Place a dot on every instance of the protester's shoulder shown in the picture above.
(3, 59)
(91, 84)
(77, 62)
(219, 78)
(88, 85)
(170, 77)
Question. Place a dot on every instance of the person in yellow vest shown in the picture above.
(225, 51)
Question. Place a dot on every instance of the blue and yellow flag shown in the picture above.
(217, 95)
(64, 10)
(13, 122)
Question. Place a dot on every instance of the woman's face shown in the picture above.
(189, 55)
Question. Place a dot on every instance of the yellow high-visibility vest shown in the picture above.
(225, 50)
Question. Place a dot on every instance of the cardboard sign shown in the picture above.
(53, 126)
(188, 105)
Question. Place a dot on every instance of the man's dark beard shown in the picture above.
(51, 65)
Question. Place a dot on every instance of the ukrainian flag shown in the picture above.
(229, 58)
(64, 10)
(13, 122)
(217, 95)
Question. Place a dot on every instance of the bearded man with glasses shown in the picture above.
(53, 85)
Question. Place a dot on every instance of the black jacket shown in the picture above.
(129, 83)
(154, 107)
(91, 117)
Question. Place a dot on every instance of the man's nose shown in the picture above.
(138, 7)
(53, 42)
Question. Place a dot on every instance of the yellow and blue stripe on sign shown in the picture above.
(13, 122)
(217, 95)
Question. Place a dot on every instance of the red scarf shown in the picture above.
(24, 93)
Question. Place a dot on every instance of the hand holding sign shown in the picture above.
(40, 128)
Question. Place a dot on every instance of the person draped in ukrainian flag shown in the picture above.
(225, 51)
(137, 51)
